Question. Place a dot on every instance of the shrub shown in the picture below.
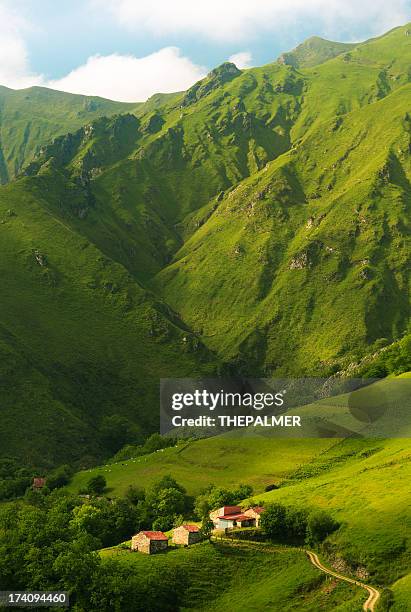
(273, 521)
(96, 485)
(319, 526)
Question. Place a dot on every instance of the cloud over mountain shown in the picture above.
(131, 79)
(238, 19)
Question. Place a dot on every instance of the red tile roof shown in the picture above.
(39, 482)
(155, 535)
(236, 517)
(230, 509)
(191, 528)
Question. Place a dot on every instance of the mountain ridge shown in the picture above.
(260, 227)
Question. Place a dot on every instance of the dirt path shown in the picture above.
(374, 595)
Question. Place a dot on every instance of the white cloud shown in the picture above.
(14, 64)
(131, 79)
(232, 20)
(242, 59)
(119, 77)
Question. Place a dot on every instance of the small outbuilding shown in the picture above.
(149, 542)
(39, 483)
(186, 534)
(255, 513)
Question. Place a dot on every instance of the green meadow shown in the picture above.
(243, 577)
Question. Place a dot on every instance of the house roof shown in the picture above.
(154, 535)
(191, 528)
(230, 510)
(39, 482)
(236, 517)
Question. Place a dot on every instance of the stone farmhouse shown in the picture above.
(186, 534)
(39, 483)
(229, 517)
(149, 542)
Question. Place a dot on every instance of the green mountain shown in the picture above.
(257, 223)
(314, 51)
(30, 118)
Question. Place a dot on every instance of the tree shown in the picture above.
(320, 525)
(116, 431)
(243, 492)
(135, 495)
(163, 523)
(97, 484)
(273, 521)
(207, 526)
(59, 477)
(296, 523)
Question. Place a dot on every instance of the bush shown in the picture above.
(319, 526)
(271, 487)
(273, 522)
(386, 601)
(163, 523)
(59, 477)
(296, 523)
(97, 485)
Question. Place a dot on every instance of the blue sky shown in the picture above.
(128, 49)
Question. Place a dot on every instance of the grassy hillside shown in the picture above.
(362, 483)
(310, 255)
(314, 51)
(80, 339)
(262, 216)
(243, 577)
(30, 118)
(223, 461)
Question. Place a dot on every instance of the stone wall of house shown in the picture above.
(255, 515)
(143, 544)
(158, 546)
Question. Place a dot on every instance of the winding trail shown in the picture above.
(374, 594)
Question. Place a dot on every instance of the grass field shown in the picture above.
(241, 577)
(224, 461)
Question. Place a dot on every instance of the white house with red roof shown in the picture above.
(228, 517)
(223, 511)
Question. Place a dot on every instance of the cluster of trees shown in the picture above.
(160, 507)
(50, 542)
(213, 497)
(286, 524)
(16, 480)
(152, 443)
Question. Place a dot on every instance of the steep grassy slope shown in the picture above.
(310, 255)
(30, 118)
(268, 209)
(240, 577)
(366, 489)
(80, 338)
